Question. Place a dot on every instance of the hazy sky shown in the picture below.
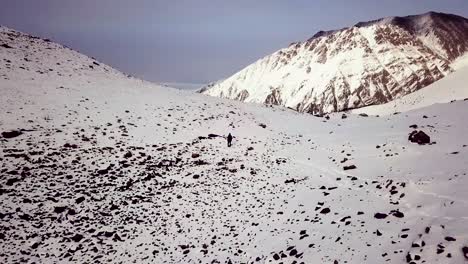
(195, 41)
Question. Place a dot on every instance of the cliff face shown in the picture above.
(370, 63)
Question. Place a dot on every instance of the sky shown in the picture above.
(195, 41)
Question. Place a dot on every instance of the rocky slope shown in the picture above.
(96, 167)
(370, 63)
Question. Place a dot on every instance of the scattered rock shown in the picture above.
(419, 137)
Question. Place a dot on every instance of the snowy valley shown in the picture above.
(100, 167)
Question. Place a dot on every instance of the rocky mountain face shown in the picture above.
(370, 63)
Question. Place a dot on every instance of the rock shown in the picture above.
(117, 238)
(12, 181)
(398, 214)
(419, 137)
(276, 256)
(6, 46)
(68, 145)
(325, 211)
(465, 252)
(195, 155)
(213, 135)
(427, 230)
(262, 125)
(59, 209)
(11, 134)
(35, 245)
(450, 239)
(102, 172)
(77, 238)
(414, 126)
(350, 167)
(380, 215)
(363, 114)
(344, 116)
(128, 155)
(80, 200)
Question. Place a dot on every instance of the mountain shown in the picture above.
(446, 90)
(370, 63)
(99, 167)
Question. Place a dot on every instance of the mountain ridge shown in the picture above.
(370, 63)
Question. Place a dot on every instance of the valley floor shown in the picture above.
(122, 171)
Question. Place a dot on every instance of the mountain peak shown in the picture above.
(408, 22)
(369, 63)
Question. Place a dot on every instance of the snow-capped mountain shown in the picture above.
(370, 63)
(97, 167)
(26, 56)
(451, 88)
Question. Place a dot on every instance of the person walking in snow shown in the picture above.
(229, 140)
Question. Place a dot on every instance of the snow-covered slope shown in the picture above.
(453, 87)
(112, 169)
(370, 63)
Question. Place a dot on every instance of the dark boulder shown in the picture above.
(11, 134)
(6, 46)
(398, 214)
(380, 215)
(77, 237)
(419, 137)
(465, 252)
(60, 209)
(351, 167)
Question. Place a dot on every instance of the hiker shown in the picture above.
(229, 140)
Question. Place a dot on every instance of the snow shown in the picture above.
(266, 197)
(461, 62)
(184, 86)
